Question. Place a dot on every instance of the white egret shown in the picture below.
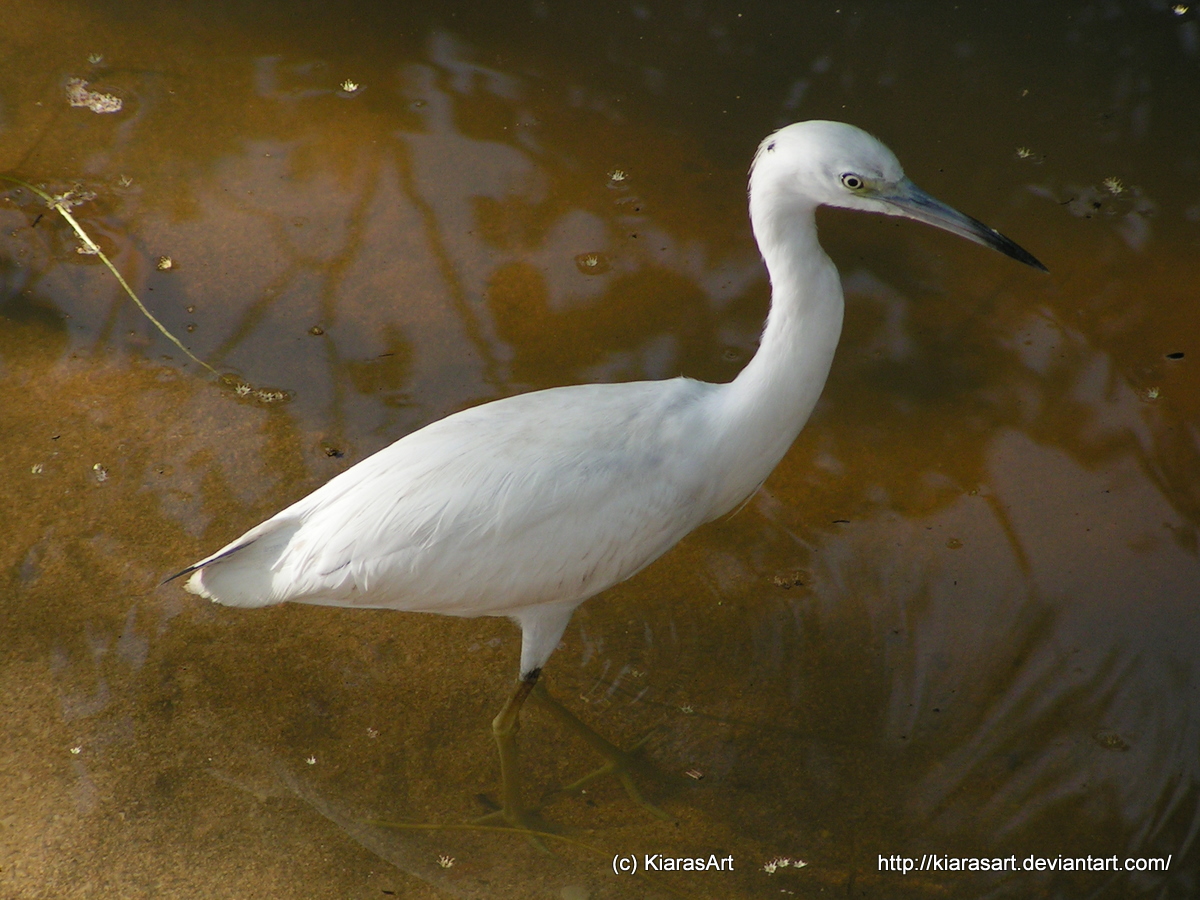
(525, 507)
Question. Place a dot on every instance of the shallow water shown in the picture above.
(960, 618)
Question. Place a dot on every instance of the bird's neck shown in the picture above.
(768, 403)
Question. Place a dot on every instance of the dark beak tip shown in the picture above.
(1013, 250)
(1035, 263)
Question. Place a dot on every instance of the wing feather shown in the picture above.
(510, 504)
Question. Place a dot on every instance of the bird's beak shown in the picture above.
(906, 199)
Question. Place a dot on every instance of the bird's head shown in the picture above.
(821, 163)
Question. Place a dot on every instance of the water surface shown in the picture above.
(960, 618)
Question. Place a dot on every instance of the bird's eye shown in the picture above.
(852, 181)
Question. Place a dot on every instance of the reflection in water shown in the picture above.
(959, 619)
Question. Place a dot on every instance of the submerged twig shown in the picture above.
(61, 206)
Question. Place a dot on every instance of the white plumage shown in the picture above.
(527, 506)
(473, 514)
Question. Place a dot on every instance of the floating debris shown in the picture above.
(694, 774)
(1110, 740)
(783, 862)
(101, 472)
(124, 181)
(76, 196)
(592, 263)
(79, 95)
(789, 580)
(164, 264)
(316, 331)
(248, 391)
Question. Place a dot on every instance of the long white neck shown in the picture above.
(764, 408)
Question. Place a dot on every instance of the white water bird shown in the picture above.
(525, 507)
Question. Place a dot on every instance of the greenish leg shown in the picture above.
(504, 729)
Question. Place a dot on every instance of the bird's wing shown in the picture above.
(547, 496)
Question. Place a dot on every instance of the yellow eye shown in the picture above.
(852, 181)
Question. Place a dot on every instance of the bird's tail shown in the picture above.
(242, 573)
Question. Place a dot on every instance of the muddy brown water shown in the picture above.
(960, 619)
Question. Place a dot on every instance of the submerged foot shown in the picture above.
(522, 818)
(511, 811)
(623, 764)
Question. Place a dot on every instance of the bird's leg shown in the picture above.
(617, 762)
(504, 729)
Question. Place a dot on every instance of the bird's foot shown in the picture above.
(623, 764)
(526, 818)
(519, 818)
